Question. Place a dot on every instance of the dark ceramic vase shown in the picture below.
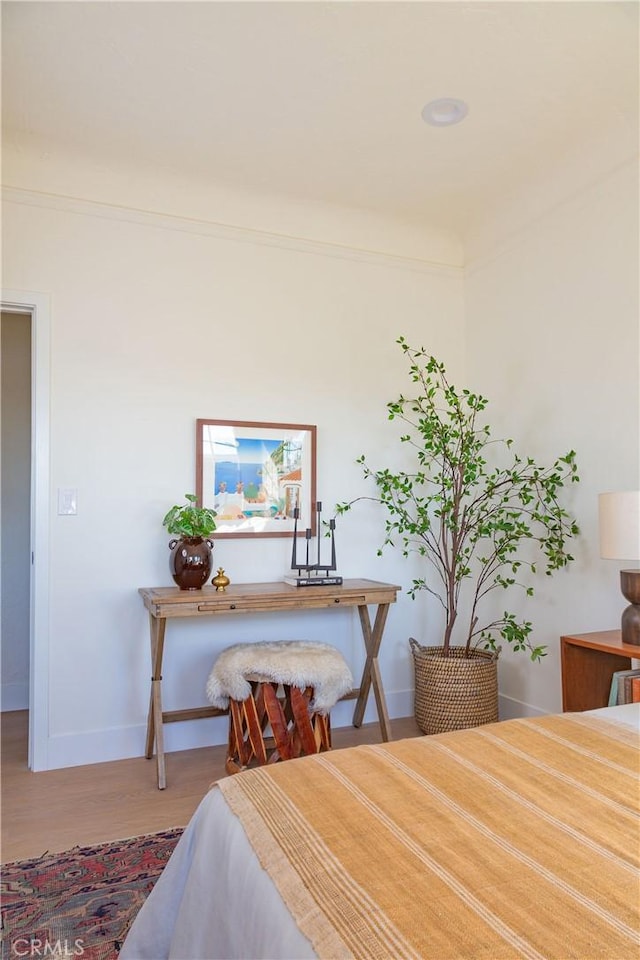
(190, 562)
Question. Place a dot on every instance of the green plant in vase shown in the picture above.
(479, 514)
(190, 520)
(190, 562)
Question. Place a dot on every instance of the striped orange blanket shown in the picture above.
(517, 839)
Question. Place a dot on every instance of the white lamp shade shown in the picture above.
(620, 525)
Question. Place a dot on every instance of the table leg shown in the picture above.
(371, 673)
(154, 721)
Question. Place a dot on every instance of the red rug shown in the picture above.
(80, 903)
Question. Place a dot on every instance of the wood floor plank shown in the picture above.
(55, 810)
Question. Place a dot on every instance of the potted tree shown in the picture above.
(480, 515)
(190, 560)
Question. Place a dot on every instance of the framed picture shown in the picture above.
(254, 475)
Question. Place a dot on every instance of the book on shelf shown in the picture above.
(635, 689)
(626, 689)
(313, 581)
(621, 682)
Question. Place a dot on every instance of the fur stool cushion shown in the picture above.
(298, 663)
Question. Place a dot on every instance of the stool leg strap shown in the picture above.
(322, 731)
(278, 725)
(303, 727)
(240, 748)
(254, 729)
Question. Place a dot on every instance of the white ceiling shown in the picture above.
(321, 101)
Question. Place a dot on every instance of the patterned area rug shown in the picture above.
(80, 903)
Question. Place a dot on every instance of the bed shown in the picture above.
(515, 839)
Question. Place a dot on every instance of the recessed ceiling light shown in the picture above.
(444, 112)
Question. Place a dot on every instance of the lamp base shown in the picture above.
(630, 623)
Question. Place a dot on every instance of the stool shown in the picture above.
(288, 686)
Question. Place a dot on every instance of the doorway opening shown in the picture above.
(24, 503)
(15, 508)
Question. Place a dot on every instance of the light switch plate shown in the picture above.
(67, 501)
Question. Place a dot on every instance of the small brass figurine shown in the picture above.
(221, 581)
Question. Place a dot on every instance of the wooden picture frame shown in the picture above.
(254, 475)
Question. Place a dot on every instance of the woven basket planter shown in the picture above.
(454, 692)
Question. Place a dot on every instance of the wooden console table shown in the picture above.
(589, 661)
(164, 603)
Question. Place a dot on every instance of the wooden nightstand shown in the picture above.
(589, 660)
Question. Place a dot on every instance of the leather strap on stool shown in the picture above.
(296, 730)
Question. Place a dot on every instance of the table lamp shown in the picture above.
(620, 540)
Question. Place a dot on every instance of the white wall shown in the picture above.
(156, 321)
(553, 339)
(16, 485)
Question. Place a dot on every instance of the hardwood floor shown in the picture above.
(58, 809)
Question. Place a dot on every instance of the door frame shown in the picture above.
(38, 307)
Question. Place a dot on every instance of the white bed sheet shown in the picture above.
(627, 713)
(214, 901)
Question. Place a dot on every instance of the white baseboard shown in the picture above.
(14, 696)
(121, 743)
(510, 709)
